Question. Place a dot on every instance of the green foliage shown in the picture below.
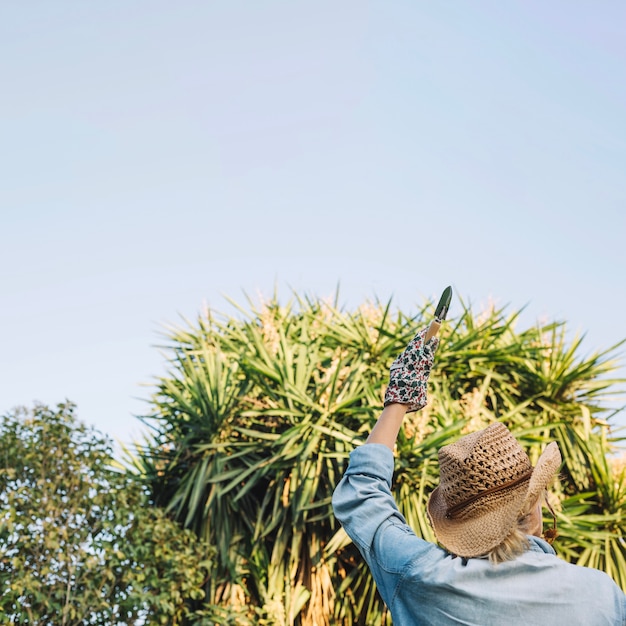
(79, 542)
(254, 422)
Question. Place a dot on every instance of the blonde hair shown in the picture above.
(516, 542)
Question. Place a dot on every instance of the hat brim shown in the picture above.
(545, 470)
(485, 528)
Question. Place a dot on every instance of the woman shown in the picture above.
(492, 566)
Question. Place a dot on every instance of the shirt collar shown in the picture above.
(540, 545)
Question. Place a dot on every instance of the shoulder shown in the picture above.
(573, 578)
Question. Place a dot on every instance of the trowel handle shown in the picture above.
(433, 329)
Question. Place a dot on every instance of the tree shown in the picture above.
(80, 543)
(255, 419)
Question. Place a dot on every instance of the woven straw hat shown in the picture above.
(486, 479)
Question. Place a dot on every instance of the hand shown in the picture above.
(408, 374)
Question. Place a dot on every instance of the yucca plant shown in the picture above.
(256, 417)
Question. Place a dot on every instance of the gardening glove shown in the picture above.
(408, 374)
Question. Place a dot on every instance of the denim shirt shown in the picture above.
(422, 584)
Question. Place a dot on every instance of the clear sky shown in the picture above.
(156, 156)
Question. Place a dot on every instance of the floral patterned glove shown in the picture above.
(408, 374)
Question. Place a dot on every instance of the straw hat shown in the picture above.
(485, 481)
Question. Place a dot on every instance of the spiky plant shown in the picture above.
(256, 417)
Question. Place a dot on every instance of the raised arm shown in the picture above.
(387, 427)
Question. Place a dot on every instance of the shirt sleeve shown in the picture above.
(363, 500)
(365, 506)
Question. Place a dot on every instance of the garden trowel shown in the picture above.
(440, 313)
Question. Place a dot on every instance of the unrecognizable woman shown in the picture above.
(492, 566)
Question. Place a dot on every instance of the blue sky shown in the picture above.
(160, 156)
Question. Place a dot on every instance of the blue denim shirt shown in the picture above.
(421, 583)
